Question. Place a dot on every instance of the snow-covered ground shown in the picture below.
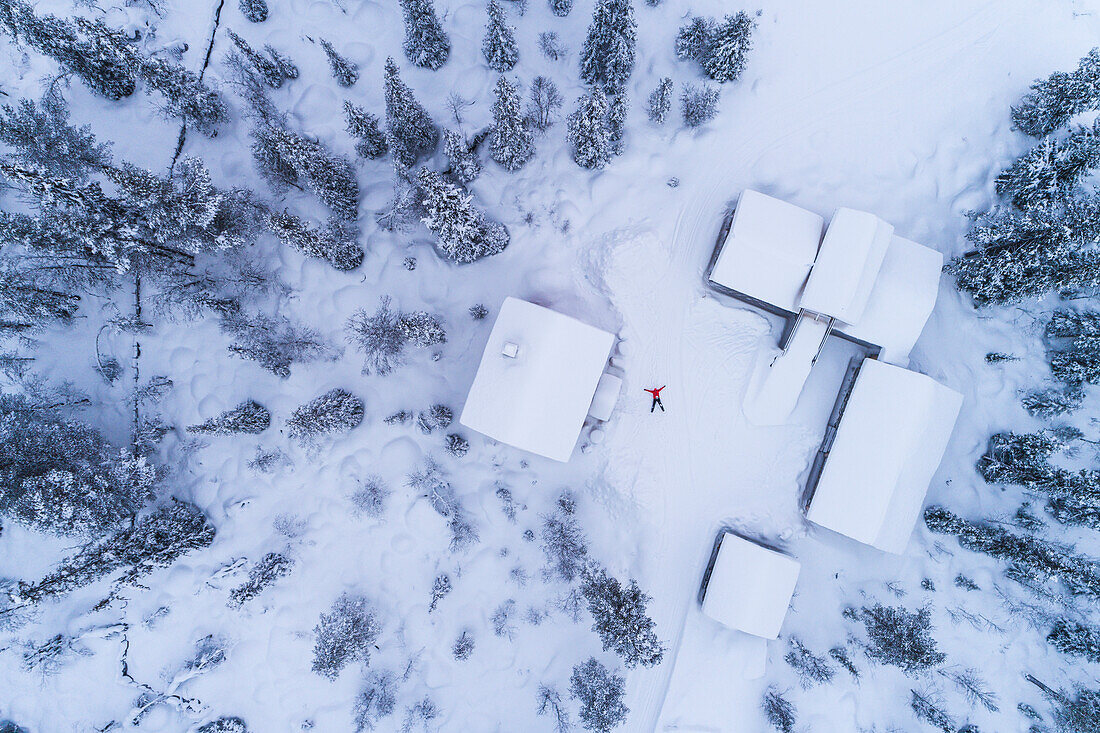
(900, 109)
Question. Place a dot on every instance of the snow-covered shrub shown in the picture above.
(412, 131)
(62, 476)
(841, 656)
(698, 104)
(40, 135)
(660, 101)
(463, 234)
(813, 669)
(510, 141)
(364, 126)
(457, 445)
(464, 163)
(224, 724)
(377, 700)
(607, 57)
(345, 72)
(248, 417)
(270, 568)
(464, 533)
(426, 43)
(369, 498)
(267, 461)
(619, 618)
(423, 712)
(588, 134)
(499, 45)
(336, 411)
(600, 693)
(1054, 100)
(1076, 639)
(563, 541)
(273, 342)
(463, 646)
(436, 416)
(344, 635)
(545, 101)
(929, 711)
(441, 586)
(900, 638)
(156, 540)
(383, 335)
(334, 242)
(502, 619)
(550, 43)
(254, 10)
(561, 9)
(778, 711)
(478, 312)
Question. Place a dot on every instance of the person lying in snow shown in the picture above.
(656, 398)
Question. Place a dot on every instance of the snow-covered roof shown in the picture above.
(901, 301)
(769, 251)
(847, 265)
(891, 438)
(538, 398)
(750, 586)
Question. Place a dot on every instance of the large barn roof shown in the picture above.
(537, 398)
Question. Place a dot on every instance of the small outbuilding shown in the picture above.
(890, 440)
(749, 586)
(538, 375)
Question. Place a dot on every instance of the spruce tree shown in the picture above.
(371, 141)
(286, 67)
(600, 693)
(461, 230)
(1075, 639)
(40, 135)
(254, 10)
(1054, 100)
(510, 143)
(607, 58)
(465, 166)
(411, 129)
(698, 104)
(335, 411)
(499, 46)
(248, 417)
(269, 69)
(335, 243)
(330, 176)
(561, 8)
(185, 95)
(589, 135)
(1049, 172)
(345, 72)
(660, 101)
(426, 43)
(727, 46)
(619, 618)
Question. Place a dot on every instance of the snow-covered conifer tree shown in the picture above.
(607, 58)
(336, 411)
(330, 176)
(589, 135)
(268, 68)
(334, 242)
(465, 166)
(462, 233)
(1054, 100)
(41, 136)
(248, 417)
(426, 43)
(510, 143)
(660, 101)
(409, 126)
(616, 124)
(600, 694)
(275, 343)
(778, 711)
(693, 39)
(901, 638)
(344, 71)
(254, 10)
(499, 46)
(286, 67)
(1074, 638)
(185, 95)
(619, 618)
(364, 126)
(345, 634)
(698, 104)
(1049, 171)
(561, 8)
(727, 46)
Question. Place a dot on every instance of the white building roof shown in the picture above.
(538, 399)
(901, 301)
(847, 265)
(769, 251)
(891, 438)
(750, 587)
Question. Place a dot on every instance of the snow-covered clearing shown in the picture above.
(897, 109)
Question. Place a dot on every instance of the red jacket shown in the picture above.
(656, 392)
